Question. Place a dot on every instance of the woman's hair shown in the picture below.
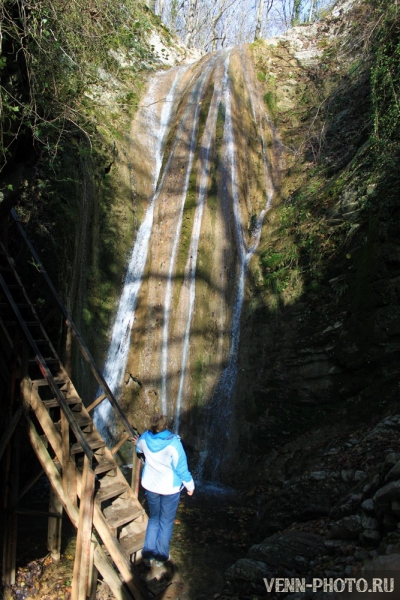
(158, 423)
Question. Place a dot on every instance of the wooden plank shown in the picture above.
(100, 559)
(133, 543)
(105, 466)
(93, 573)
(54, 402)
(116, 517)
(121, 442)
(110, 576)
(94, 444)
(44, 419)
(44, 382)
(54, 526)
(84, 422)
(68, 470)
(122, 563)
(111, 491)
(136, 466)
(11, 525)
(82, 564)
(96, 402)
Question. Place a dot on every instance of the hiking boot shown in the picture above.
(148, 562)
(159, 563)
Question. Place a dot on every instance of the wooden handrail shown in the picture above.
(48, 376)
(83, 348)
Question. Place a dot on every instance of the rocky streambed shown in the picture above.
(339, 518)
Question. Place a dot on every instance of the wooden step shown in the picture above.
(118, 516)
(94, 442)
(43, 382)
(84, 422)
(104, 467)
(132, 543)
(111, 491)
(53, 403)
(49, 361)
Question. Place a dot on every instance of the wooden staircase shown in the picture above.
(83, 472)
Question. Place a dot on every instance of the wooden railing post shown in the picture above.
(83, 565)
(136, 465)
(54, 526)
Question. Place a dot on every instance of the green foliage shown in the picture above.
(51, 51)
(296, 12)
(385, 82)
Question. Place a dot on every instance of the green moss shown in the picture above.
(270, 101)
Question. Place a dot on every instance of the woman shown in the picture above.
(164, 475)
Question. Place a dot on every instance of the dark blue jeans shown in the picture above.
(161, 522)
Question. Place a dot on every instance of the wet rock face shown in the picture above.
(206, 207)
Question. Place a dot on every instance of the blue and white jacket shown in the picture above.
(166, 469)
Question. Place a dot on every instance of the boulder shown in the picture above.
(384, 563)
(292, 549)
(370, 536)
(387, 493)
(249, 570)
(368, 522)
(348, 528)
(394, 472)
(346, 508)
(368, 505)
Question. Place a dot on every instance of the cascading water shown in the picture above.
(192, 253)
(220, 407)
(117, 355)
(190, 270)
(193, 104)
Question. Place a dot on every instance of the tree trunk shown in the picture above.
(297, 5)
(260, 12)
(311, 11)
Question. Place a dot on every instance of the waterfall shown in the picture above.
(220, 407)
(195, 248)
(190, 270)
(118, 351)
(193, 103)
